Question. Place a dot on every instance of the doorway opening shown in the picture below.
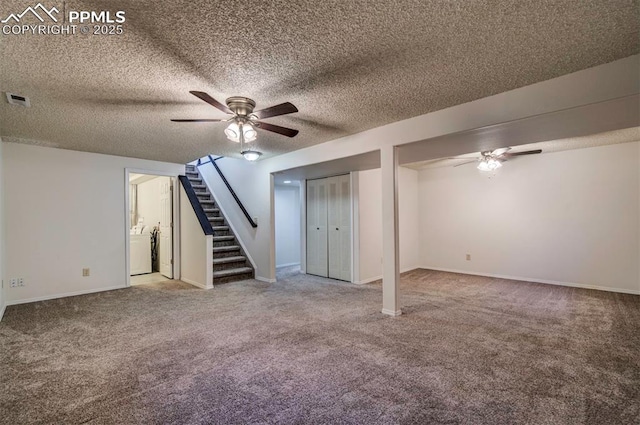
(288, 227)
(150, 233)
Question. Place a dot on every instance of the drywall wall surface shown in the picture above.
(370, 217)
(287, 217)
(149, 200)
(66, 212)
(370, 224)
(408, 217)
(566, 217)
(193, 246)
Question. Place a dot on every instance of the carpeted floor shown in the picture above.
(468, 350)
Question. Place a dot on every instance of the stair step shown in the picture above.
(225, 260)
(216, 218)
(232, 272)
(220, 228)
(223, 238)
(229, 248)
(199, 186)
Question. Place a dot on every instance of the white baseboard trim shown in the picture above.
(287, 265)
(196, 284)
(391, 312)
(65, 295)
(535, 280)
(373, 279)
(368, 280)
(264, 279)
(2, 309)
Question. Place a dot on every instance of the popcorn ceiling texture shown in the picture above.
(347, 66)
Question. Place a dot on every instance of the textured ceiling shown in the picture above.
(601, 139)
(347, 66)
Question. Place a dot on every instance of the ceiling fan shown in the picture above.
(244, 120)
(492, 160)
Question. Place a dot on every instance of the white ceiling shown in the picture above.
(347, 66)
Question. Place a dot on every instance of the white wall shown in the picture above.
(568, 217)
(287, 217)
(65, 210)
(149, 194)
(196, 248)
(370, 217)
(253, 181)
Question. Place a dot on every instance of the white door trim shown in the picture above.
(175, 219)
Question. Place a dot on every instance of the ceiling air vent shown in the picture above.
(16, 99)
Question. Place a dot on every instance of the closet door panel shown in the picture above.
(345, 228)
(339, 228)
(333, 217)
(317, 263)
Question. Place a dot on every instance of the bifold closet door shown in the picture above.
(317, 262)
(339, 227)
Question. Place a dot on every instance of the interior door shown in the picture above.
(339, 227)
(317, 263)
(166, 228)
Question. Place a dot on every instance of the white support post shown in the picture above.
(390, 240)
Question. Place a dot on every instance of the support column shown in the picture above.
(390, 239)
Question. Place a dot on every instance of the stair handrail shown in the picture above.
(196, 205)
(226, 182)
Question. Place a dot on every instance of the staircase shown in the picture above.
(230, 263)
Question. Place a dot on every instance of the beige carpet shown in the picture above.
(468, 350)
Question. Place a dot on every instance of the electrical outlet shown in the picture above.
(13, 282)
(468, 257)
(86, 272)
(21, 281)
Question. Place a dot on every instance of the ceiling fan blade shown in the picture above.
(465, 163)
(525, 153)
(211, 101)
(276, 129)
(500, 151)
(203, 120)
(274, 111)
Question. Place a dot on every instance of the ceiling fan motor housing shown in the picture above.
(241, 106)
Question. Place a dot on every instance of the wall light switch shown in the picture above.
(13, 282)
(20, 281)
(86, 272)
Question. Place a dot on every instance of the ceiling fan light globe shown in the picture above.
(494, 164)
(483, 166)
(250, 134)
(251, 155)
(489, 164)
(233, 132)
